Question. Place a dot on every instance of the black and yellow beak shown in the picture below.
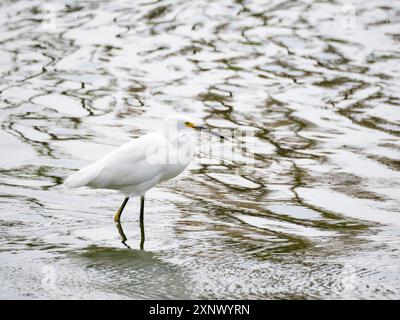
(192, 125)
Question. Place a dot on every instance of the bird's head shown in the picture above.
(182, 123)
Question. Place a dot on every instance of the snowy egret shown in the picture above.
(142, 163)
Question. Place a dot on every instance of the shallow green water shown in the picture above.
(318, 82)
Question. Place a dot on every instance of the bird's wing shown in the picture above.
(131, 164)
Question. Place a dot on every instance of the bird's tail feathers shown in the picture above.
(81, 178)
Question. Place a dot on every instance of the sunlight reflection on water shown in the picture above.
(317, 216)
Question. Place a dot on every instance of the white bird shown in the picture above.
(142, 163)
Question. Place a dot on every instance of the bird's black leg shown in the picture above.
(142, 236)
(121, 208)
(141, 221)
(141, 208)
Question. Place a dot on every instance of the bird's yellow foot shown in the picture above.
(117, 217)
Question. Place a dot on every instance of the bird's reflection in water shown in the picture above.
(124, 238)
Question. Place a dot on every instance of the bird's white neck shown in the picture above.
(180, 149)
(175, 136)
(178, 138)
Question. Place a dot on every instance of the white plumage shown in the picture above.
(140, 164)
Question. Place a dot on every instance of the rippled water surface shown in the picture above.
(317, 81)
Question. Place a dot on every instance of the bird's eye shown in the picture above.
(187, 124)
